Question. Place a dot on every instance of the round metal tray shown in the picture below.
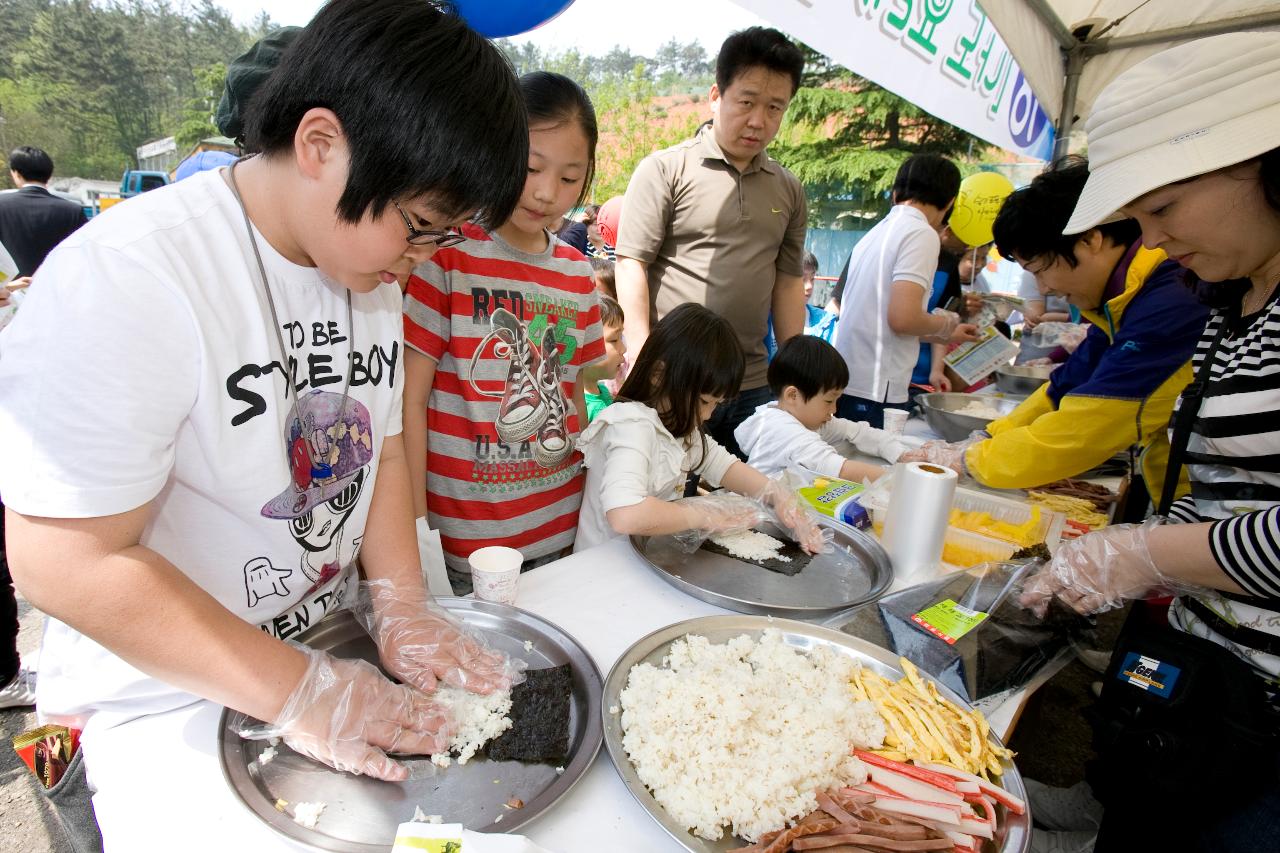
(1015, 832)
(361, 814)
(856, 572)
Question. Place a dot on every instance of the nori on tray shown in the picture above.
(1003, 652)
(539, 718)
(799, 558)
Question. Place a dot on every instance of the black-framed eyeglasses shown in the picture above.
(418, 237)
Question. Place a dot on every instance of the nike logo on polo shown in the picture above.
(776, 209)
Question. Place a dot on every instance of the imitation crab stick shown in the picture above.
(925, 773)
(989, 789)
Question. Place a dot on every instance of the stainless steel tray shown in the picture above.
(361, 814)
(1015, 833)
(856, 572)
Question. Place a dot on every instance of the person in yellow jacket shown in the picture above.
(1117, 390)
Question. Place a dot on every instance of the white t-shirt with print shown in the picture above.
(144, 367)
(902, 247)
(775, 440)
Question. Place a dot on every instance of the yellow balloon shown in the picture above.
(976, 207)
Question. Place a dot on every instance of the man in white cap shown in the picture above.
(1187, 143)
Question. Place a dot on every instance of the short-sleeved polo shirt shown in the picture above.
(716, 236)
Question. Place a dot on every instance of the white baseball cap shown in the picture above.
(1186, 111)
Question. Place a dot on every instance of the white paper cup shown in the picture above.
(494, 573)
(895, 421)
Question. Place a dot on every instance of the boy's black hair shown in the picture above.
(1030, 222)
(928, 179)
(551, 98)
(809, 262)
(430, 109)
(604, 275)
(33, 164)
(611, 315)
(758, 46)
(690, 352)
(809, 363)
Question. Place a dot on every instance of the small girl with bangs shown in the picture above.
(497, 329)
(640, 451)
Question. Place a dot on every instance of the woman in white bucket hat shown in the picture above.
(1187, 143)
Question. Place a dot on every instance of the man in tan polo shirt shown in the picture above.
(716, 221)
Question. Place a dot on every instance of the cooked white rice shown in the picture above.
(979, 409)
(751, 545)
(307, 814)
(745, 734)
(480, 719)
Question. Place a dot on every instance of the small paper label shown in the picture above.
(976, 359)
(948, 621)
(1149, 674)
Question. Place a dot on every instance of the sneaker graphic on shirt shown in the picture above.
(523, 409)
(554, 444)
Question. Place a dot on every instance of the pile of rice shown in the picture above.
(979, 409)
(745, 734)
(480, 719)
(751, 545)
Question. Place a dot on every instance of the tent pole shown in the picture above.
(1063, 36)
(1208, 28)
(1066, 119)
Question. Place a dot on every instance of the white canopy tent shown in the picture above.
(1070, 49)
(948, 56)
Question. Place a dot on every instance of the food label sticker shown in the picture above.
(948, 621)
(1149, 674)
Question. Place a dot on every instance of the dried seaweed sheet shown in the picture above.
(799, 559)
(539, 718)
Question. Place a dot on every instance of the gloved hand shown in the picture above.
(780, 498)
(419, 643)
(948, 454)
(719, 512)
(346, 714)
(1100, 570)
(943, 334)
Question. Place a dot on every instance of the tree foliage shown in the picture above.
(91, 81)
(844, 138)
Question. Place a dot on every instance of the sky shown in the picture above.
(592, 26)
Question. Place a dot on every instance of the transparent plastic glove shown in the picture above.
(420, 644)
(780, 498)
(720, 512)
(346, 714)
(947, 454)
(943, 335)
(1100, 570)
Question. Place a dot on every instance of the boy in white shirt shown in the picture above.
(807, 376)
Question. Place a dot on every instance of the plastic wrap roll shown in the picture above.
(916, 521)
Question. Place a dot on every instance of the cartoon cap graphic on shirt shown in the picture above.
(327, 445)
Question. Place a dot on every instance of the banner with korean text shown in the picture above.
(944, 56)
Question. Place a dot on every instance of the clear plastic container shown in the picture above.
(996, 541)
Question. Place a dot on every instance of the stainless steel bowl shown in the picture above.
(1020, 379)
(941, 411)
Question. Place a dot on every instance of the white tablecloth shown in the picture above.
(161, 787)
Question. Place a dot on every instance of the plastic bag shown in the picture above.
(1065, 335)
(968, 630)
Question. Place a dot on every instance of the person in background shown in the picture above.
(641, 450)
(798, 430)
(178, 531)
(34, 220)
(603, 275)
(603, 233)
(1198, 168)
(573, 232)
(497, 330)
(716, 221)
(1118, 388)
(884, 308)
(597, 377)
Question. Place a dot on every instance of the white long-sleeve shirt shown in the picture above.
(629, 456)
(774, 440)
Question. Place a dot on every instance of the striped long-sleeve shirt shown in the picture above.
(1233, 458)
